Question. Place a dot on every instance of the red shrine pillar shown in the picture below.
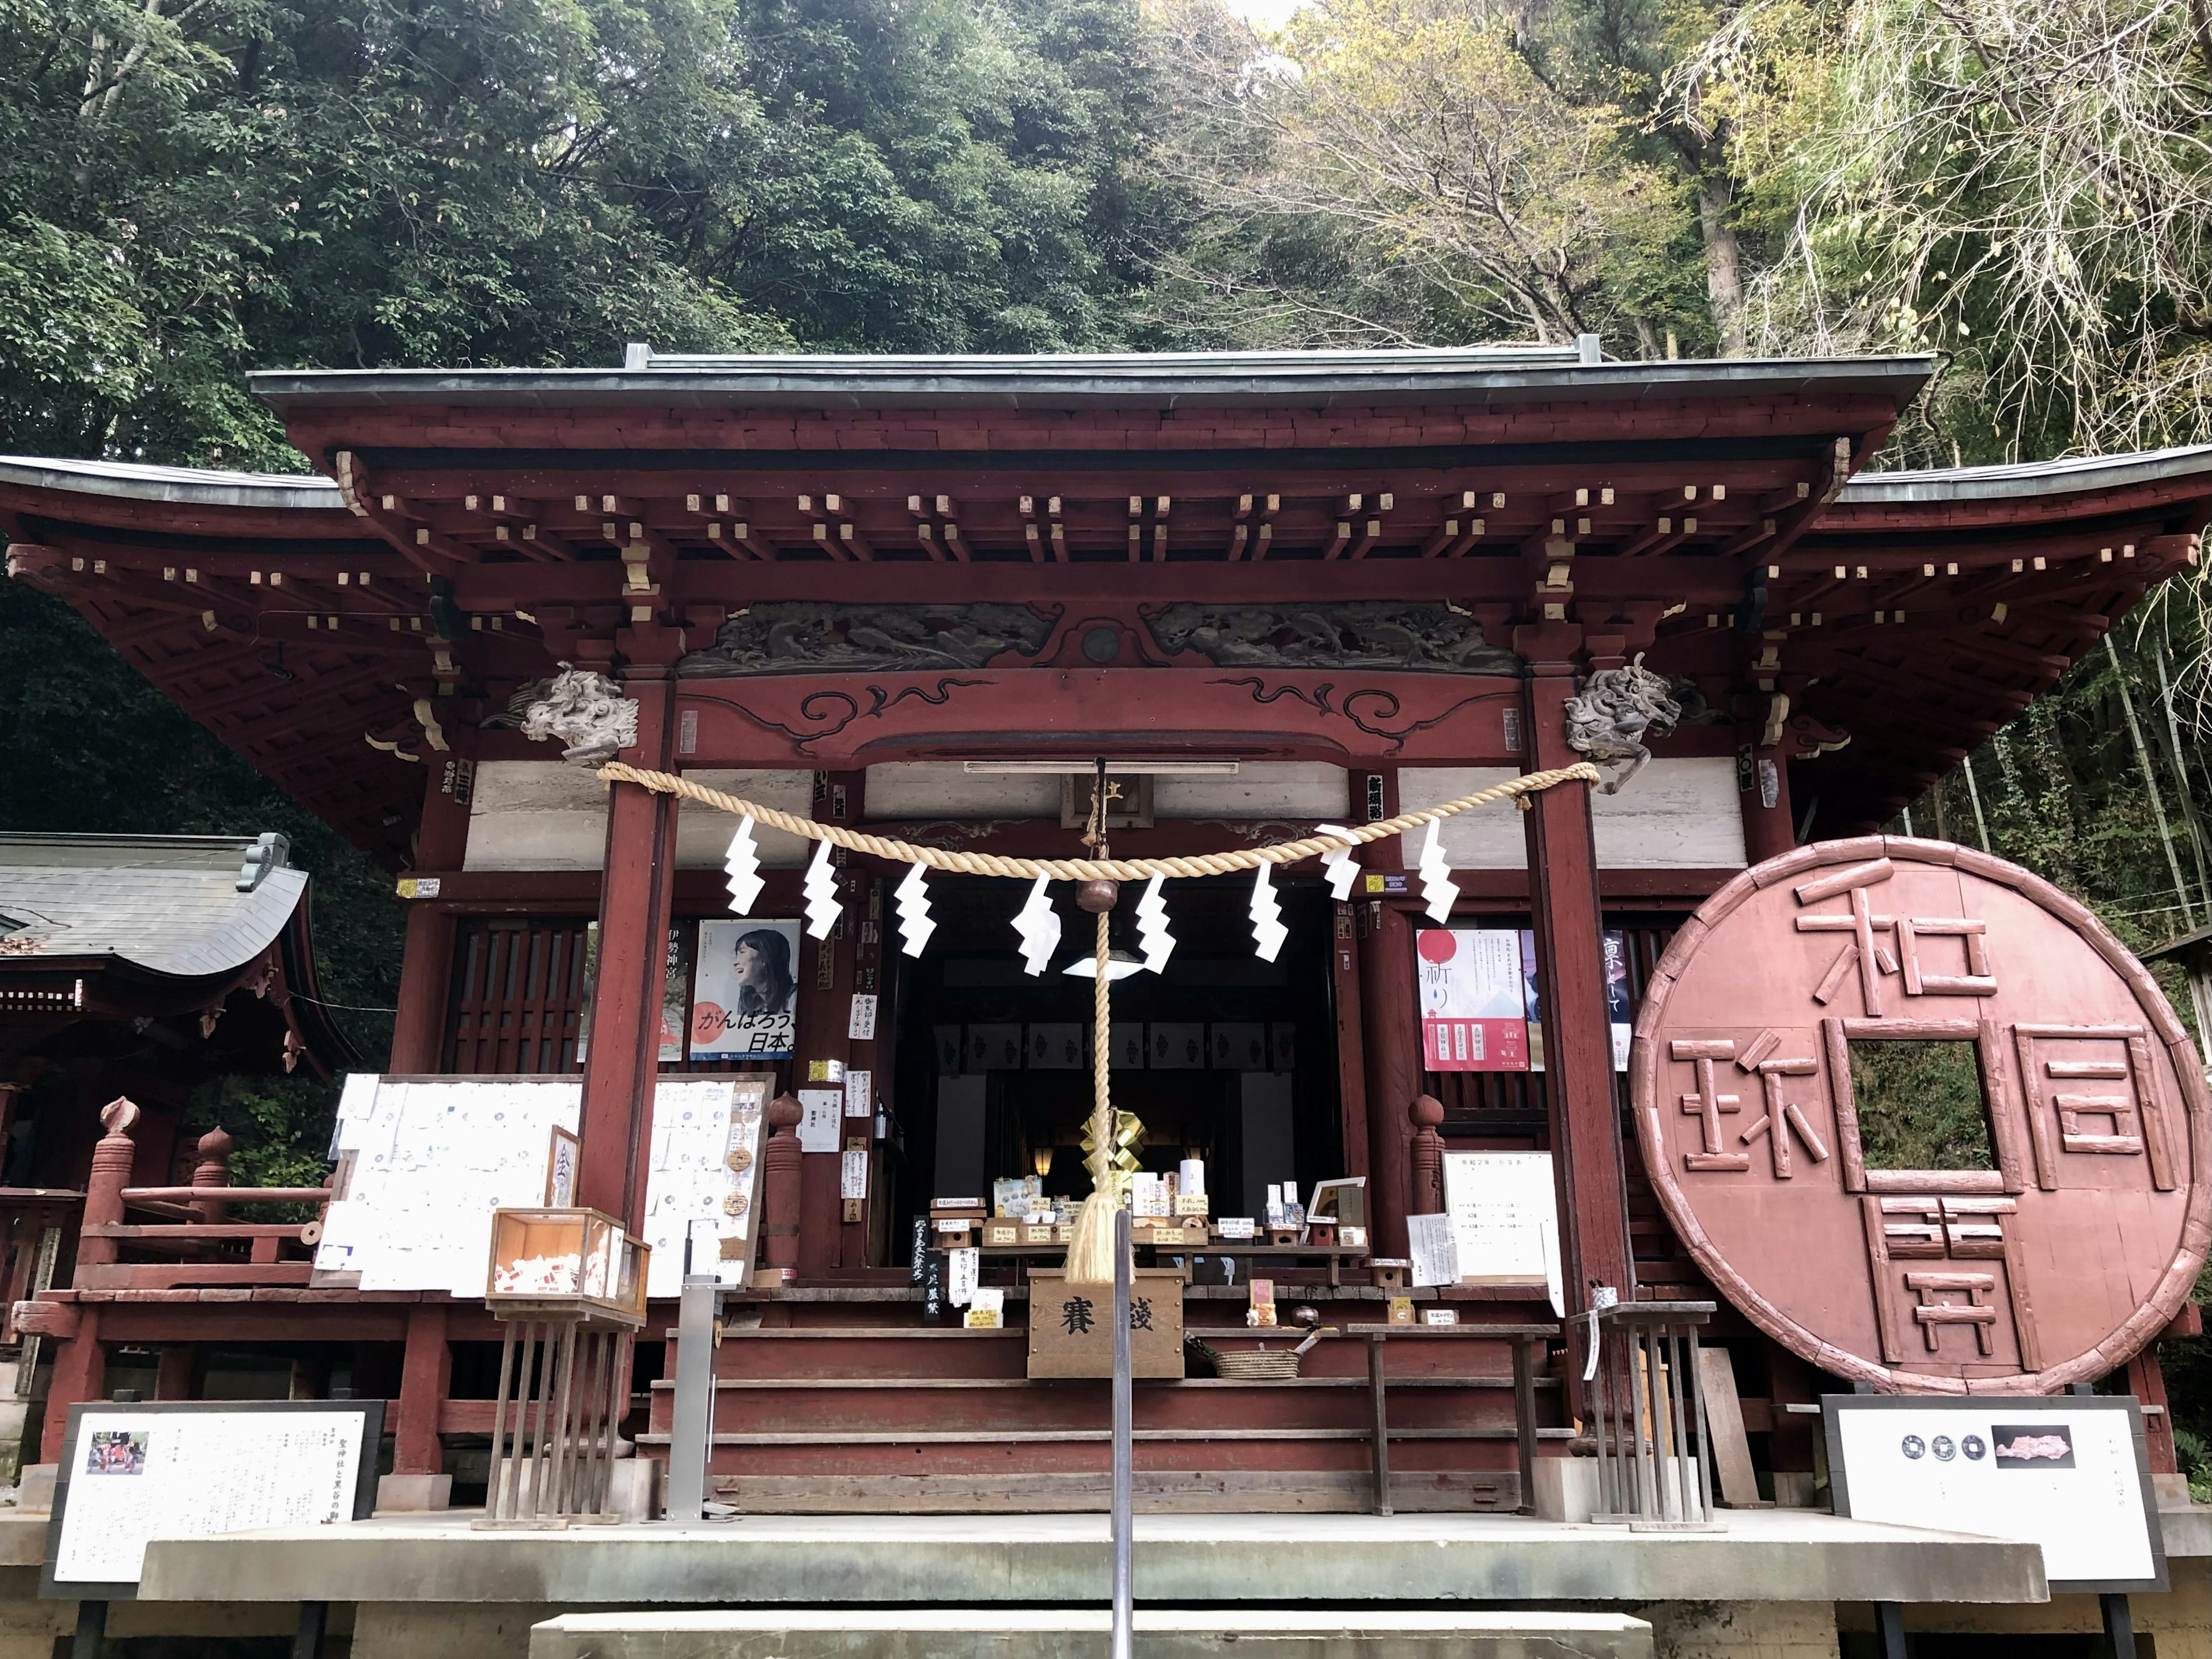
(425, 964)
(1585, 1120)
(1762, 785)
(637, 890)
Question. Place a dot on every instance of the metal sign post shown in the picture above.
(1124, 1414)
(692, 1433)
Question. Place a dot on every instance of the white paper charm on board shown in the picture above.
(1436, 1260)
(821, 1113)
(861, 1023)
(852, 1175)
(860, 1094)
(962, 1269)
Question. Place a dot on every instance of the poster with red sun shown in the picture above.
(1475, 999)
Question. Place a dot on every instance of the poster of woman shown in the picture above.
(745, 1001)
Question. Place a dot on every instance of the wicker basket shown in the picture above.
(1261, 1365)
(1256, 1364)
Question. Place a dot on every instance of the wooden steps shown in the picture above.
(868, 1415)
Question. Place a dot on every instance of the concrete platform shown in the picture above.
(1085, 1633)
(1764, 1555)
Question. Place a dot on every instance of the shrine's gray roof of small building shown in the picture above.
(1153, 379)
(170, 904)
(2026, 479)
(188, 486)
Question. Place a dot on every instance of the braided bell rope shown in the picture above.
(993, 864)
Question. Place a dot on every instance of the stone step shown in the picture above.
(1242, 1491)
(1085, 1633)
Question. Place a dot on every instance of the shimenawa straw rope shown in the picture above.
(992, 864)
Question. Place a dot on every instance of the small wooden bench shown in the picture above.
(1524, 1340)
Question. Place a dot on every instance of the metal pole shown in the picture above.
(1124, 1434)
(90, 1640)
(694, 1396)
(1889, 1629)
(2120, 1624)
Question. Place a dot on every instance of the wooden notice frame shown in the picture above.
(561, 1161)
(1504, 1210)
(739, 1232)
(211, 1424)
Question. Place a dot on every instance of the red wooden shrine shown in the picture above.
(861, 588)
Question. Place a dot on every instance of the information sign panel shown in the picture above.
(1503, 1209)
(2069, 1472)
(132, 1473)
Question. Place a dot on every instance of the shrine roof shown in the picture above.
(188, 486)
(173, 905)
(2028, 480)
(1473, 375)
(296, 617)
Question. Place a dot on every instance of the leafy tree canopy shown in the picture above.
(195, 188)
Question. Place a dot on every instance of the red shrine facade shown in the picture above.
(927, 597)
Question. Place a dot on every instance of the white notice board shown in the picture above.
(2069, 1472)
(430, 1159)
(1504, 1219)
(132, 1474)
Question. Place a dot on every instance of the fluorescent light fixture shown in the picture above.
(1121, 768)
(1120, 964)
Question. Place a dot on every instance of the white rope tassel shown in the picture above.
(1038, 924)
(911, 896)
(1153, 936)
(743, 866)
(1437, 885)
(821, 907)
(1267, 930)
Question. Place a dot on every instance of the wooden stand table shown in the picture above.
(1524, 1340)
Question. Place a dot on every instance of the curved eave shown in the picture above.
(212, 946)
(180, 486)
(2043, 493)
(1304, 379)
(180, 506)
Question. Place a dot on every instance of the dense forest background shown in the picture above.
(190, 188)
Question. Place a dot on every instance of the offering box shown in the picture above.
(552, 1264)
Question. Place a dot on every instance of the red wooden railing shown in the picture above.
(197, 1240)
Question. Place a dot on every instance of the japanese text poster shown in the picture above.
(746, 1003)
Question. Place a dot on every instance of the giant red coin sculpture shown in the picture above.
(2061, 1229)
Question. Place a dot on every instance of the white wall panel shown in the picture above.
(702, 832)
(549, 815)
(1258, 789)
(940, 789)
(1675, 814)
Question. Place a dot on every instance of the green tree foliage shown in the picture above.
(195, 188)
(2025, 188)
(2066, 791)
(1444, 171)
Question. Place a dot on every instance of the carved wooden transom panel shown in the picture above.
(1924, 1120)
